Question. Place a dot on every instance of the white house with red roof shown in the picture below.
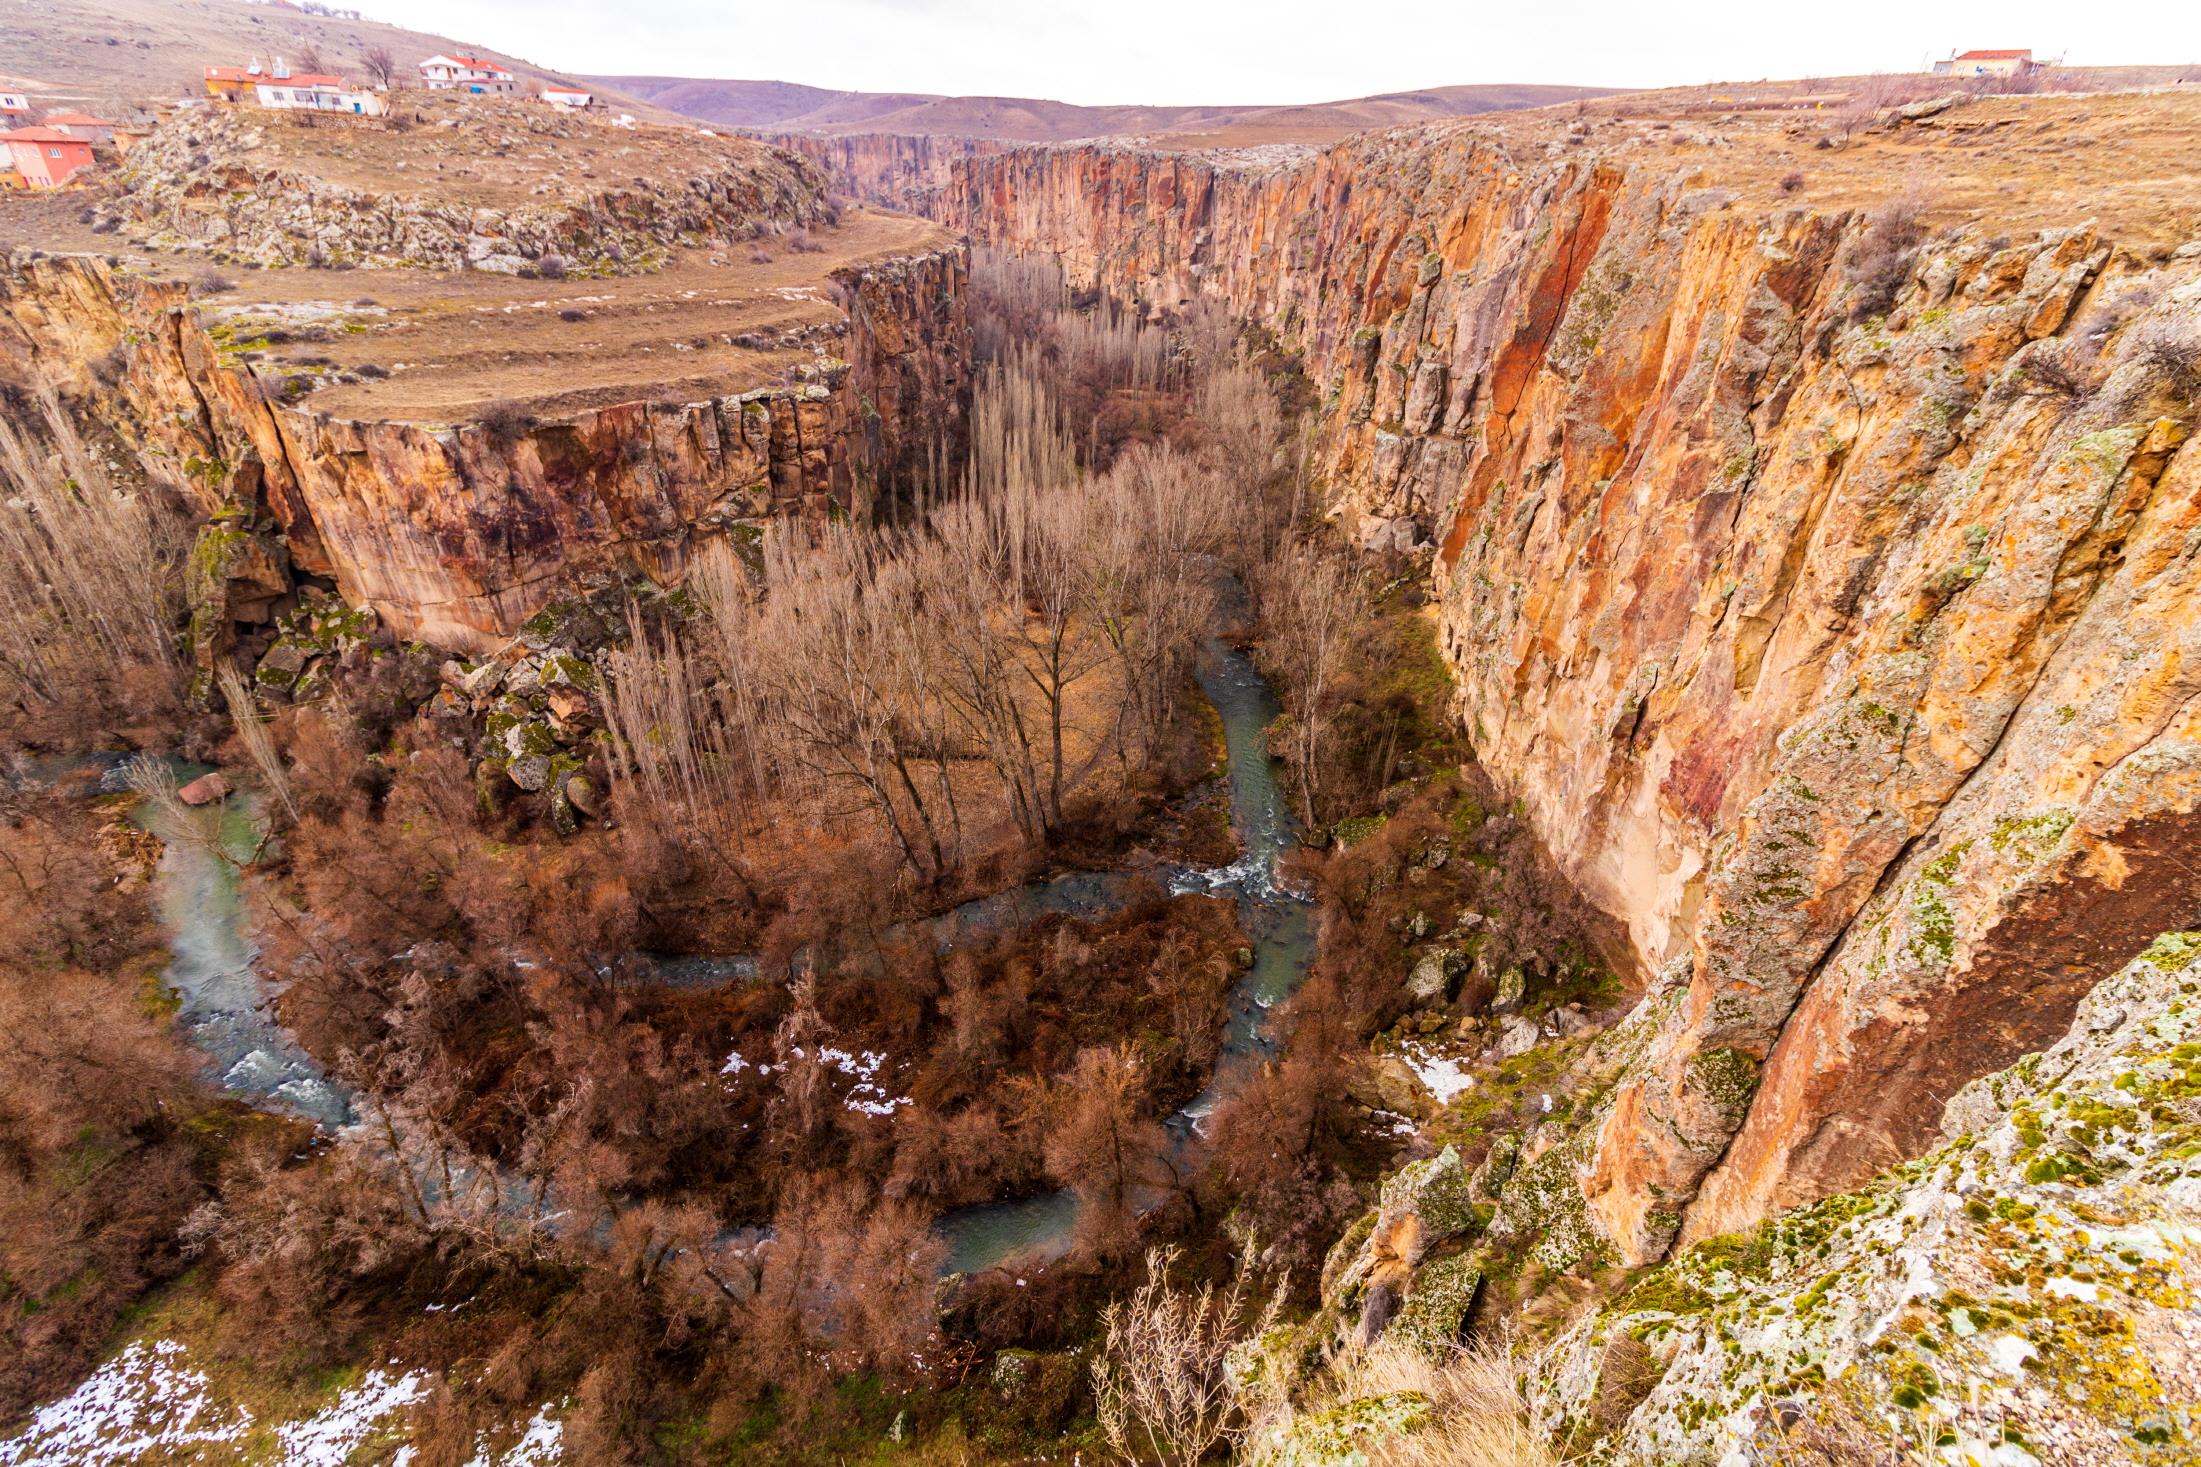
(285, 90)
(1986, 63)
(14, 108)
(463, 73)
(568, 97)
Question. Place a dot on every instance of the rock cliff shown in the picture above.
(900, 171)
(1821, 580)
(455, 535)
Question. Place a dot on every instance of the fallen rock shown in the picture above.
(207, 789)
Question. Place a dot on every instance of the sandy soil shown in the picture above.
(712, 322)
(489, 152)
(2129, 161)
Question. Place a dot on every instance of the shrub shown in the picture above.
(372, 371)
(551, 267)
(505, 419)
(1880, 259)
(759, 255)
(2173, 351)
(801, 243)
(571, 313)
(213, 282)
(1793, 182)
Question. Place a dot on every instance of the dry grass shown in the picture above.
(1478, 1415)
(710, 323)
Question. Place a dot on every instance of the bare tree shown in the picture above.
(1310, 602)
(380, 65)
(1104, 1143)
(252, 732)
(90, 574)
(1160, 1387)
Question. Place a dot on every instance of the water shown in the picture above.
(226, 1012)
(222, 1008)
(1036, 1230)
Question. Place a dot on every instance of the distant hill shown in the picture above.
(791, 107)
(113, 55)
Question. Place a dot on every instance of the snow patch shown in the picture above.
(142, 1402)
(1441, 1075)
(330, 1436)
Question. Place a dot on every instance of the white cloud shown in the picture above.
(1248, 51)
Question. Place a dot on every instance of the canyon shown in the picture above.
(1822, 591)
(636, 415)
(1844, 663)
(1815, 557)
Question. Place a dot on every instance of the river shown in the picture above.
(1035, 1230)
(225, 1008)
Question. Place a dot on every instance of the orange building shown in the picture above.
(46, 156)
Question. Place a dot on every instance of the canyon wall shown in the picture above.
(899, 171)
(455, 535)
(1832, 605)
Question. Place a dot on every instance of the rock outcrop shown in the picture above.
(204, 181)
(456, 535)
(2022, 1294)
(1822, 587)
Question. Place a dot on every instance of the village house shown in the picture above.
(46, 157)
(80, 125)
(14, 107)
(568, 97)
(462, 73)
(283, 90)
(1986, 63)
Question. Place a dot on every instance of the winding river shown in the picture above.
(1036, 1230)
(226, 1009)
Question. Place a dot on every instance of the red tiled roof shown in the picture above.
(1993, 55)
(474, 62)
(75, 119)
(261, 78)
(40, 135)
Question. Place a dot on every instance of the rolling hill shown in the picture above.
(115, 55)
(791, 107)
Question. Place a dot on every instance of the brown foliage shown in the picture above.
(97, 1167)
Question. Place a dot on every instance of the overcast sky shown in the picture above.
(1246, 51)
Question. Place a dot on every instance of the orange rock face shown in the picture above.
(456, 535)
(1847, 651)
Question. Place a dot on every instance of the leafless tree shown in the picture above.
(380, 65)
(252, 732)
(1159, 1384)
(90, 574)
(1310, 602)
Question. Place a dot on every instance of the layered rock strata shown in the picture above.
(1825, 592)
(456, 535)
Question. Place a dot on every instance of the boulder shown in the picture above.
(207, 789)
(1520, 1035)
(1435, 974)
